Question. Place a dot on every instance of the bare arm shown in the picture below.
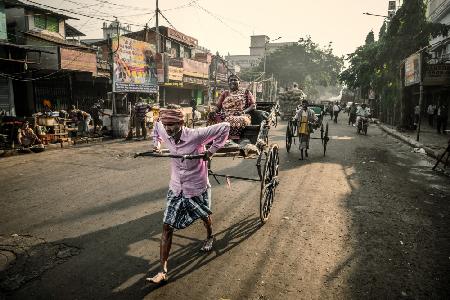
(218, 134)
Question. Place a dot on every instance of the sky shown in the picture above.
(226, 26)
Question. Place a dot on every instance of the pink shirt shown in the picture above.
(191, 176)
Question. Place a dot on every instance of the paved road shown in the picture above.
(368, 220)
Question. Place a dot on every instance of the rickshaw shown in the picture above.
(267, 159)
(292, 130)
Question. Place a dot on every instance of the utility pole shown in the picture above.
(162, 102)
(421, 92)
(158, 40)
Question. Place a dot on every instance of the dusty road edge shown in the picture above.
(430, 152)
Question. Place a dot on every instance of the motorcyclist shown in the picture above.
(362, 112)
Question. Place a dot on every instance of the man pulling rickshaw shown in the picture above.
(306, 119)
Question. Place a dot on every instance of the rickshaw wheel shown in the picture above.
(269, 183)
(325, 140)
(321, 132)
(288, 136)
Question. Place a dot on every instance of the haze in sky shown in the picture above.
(226, 26)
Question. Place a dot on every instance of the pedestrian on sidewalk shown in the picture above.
(140, 111)
(431, 111)
(189, 195)
(336, 110)
(442, 118)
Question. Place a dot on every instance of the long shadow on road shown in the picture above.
(113, 262)
(401, 239)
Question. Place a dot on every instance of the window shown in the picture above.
(46, 22)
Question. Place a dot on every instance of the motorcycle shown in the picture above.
(363, 124)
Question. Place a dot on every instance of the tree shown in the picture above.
(376, 65)
(305, 63)
(370, 38)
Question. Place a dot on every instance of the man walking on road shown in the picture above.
(430, 111)
(336, 110)
(442, 118)
(189, 195)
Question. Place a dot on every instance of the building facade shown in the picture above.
(260, 46)
(38, 62)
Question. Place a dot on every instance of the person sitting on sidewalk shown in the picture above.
(189, 195)
(27, 137)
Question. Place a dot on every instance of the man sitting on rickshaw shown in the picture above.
(306, 118)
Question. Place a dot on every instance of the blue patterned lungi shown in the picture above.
(182, 211)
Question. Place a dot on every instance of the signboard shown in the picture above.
(3, 35)
(178, 36)
(134, 66)
(392, 5)
(78, 60)
(195, 68)
(175, 74)
(194, 80)
(174, 84)
(438, 74)
(412, 70)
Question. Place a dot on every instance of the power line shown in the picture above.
(218, 18)
(167, 20)
(81, 14)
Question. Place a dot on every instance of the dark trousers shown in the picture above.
(140, 124)
(430, 120)
(441, 122)
(336, 113)
(352, 119)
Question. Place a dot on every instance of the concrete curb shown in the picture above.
(415, 144)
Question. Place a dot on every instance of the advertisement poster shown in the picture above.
(412, 70)
(134, 66)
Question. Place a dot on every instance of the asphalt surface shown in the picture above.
(368, 220)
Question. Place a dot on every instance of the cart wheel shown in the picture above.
(269, 183)
(289, 136)
(321, 132)
(325, 140)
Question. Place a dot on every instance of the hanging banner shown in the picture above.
(412, 70)
(134, 66)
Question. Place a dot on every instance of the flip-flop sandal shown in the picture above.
(158, 278)
(207, 245)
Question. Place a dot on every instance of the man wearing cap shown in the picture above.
(189, 195)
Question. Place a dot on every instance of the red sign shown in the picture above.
(78, 60)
